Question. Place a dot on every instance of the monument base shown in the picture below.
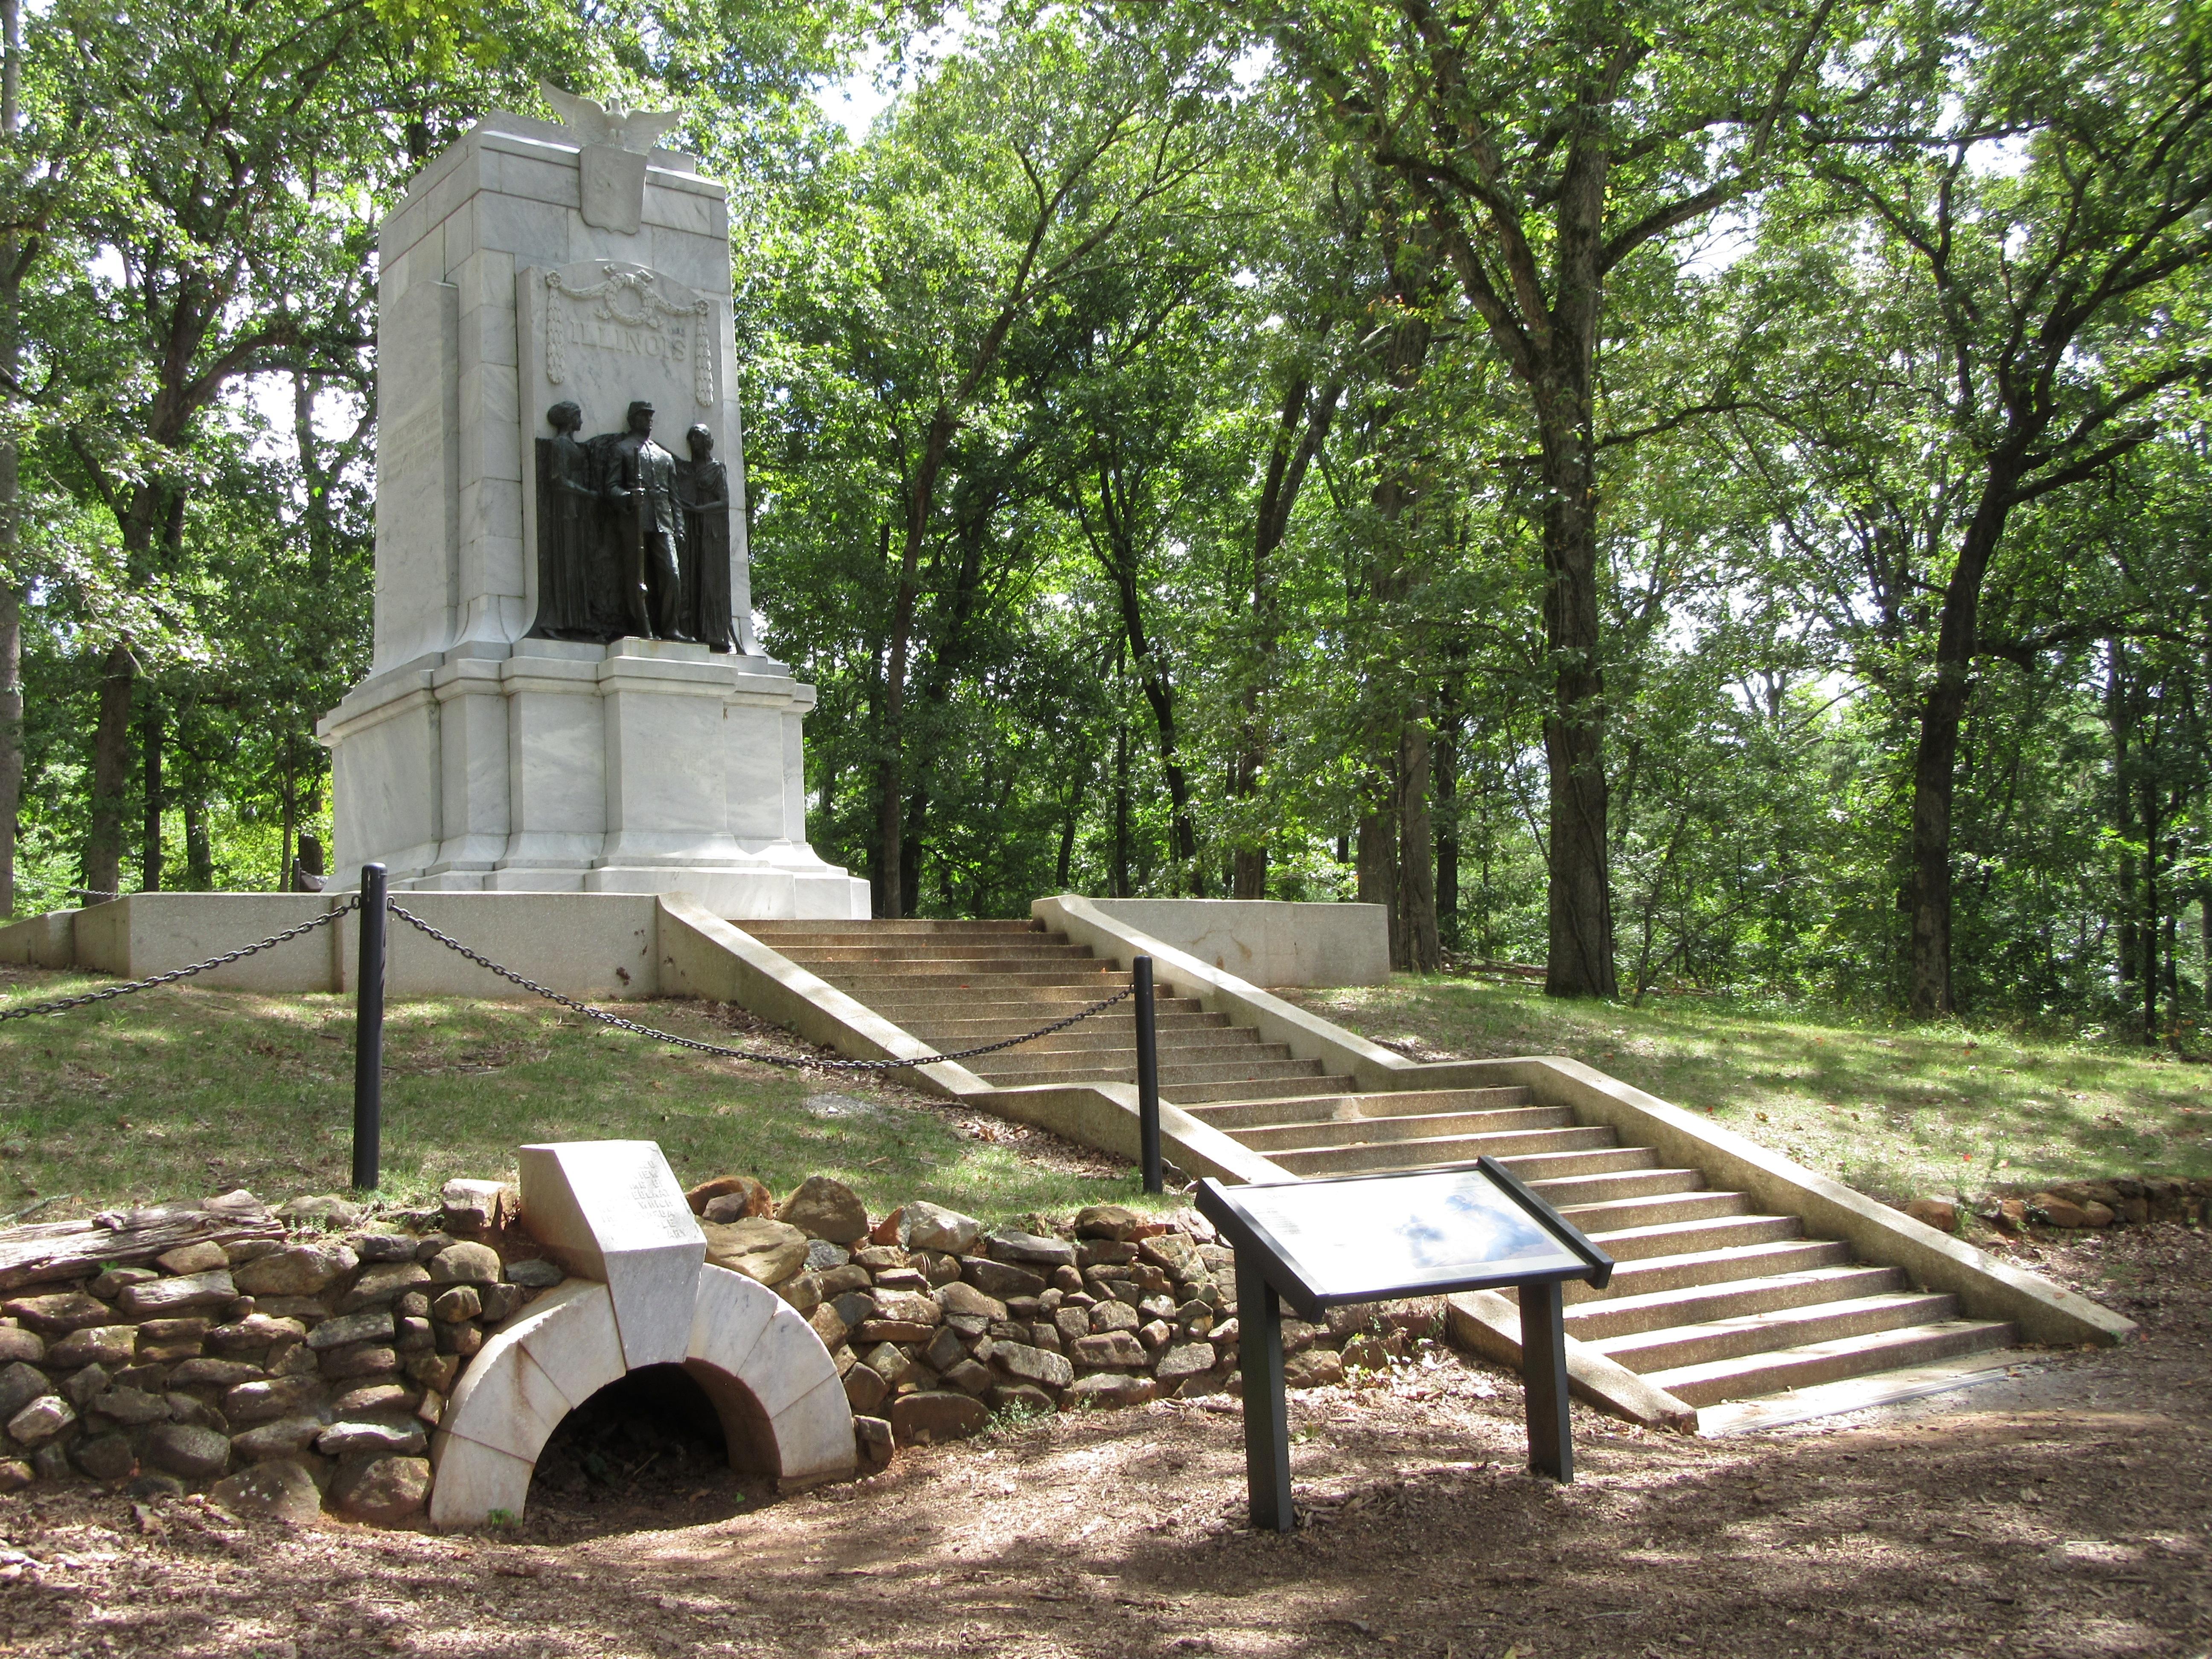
(553, 767)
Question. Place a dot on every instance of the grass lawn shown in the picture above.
(1899, 1111)
(182, 1091)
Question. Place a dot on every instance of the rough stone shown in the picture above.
(281, 1489)
(822, 1257)
(766, 1251)
(401, 1438)
(919, 1419)
(190, 1451)
(475, 1207)
(865, 1389)
(1939, 1213)
(747, 1198)
(932, 1227)
(838, 1281)
(1189, 1359)
(385, 1490)
(829, 1325)
(802, 1291)
(1103, 1252)
(373, 1398)
(823, 1209)
(1114, 1317)
(414, 1335)
(253, 1336)
(41, 1420)
(1106, 1389)
(435, 1370)
(1110, 1221)
(14, 1473)
(1001, 1279)
(963, 1300)
(213, 1374)
(51, 1462)
(109, 1284)
(1114, 1350)
(1010, 1244)
(1020, 1400)
(133, 1405)
(969, 1376)
(889, 1361)
(902, 1278)
(1366, 1353)
(18, 1344)
(263, 1402)
(459, 1303)
(82, 1387)
(106, 1456)
(370, 1325)
(287, 1437)
(363, 1359)
(535, 1275)
(19, 1384)
(198, 1258)
(893, 1330)
(302, 1270)
(1029, 1363)
(1171, 1253)
(94, 1345)
(60, 1312)
(945, 1351)
(383, 1247)
(305, 1308)
(384, 1282)
(327, 1207)
(873, 1437)
(878, 1257)
(907, 1306)
(1314, 1368)
(251, 1249)
(1155, 1335)
(465, 1264)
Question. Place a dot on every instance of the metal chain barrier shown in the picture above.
(176, 973)
(622, 1024)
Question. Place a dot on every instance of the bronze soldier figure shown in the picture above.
(705, 485)
(641, 484)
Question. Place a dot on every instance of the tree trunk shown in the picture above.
(1119, 877)
(1443, 789)
(1378, 861)
(1579, 959)
(2150, 916)
(110, 774)
(149, 743)
(2124, 803)
(11, 597)
(1934, 764)
(199, 850)
(1417, 891)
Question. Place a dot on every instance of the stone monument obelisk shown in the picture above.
(566, 695)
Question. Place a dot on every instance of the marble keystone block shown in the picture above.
(612, 1210)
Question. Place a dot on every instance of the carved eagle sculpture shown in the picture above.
(636, 130)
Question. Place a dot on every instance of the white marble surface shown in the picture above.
(473, 1479)
(813, 1436)
(611, 1210)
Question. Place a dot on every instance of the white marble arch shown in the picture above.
(782, 1405)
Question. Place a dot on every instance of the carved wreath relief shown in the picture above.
(625, 311)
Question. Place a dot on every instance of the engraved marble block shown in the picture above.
(611, 1209)
(524, 725)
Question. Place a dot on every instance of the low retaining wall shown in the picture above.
(1268, 941)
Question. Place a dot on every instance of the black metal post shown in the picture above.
(1148, 1077)
(1266, 1415)
(1544, 1380)
(369, 1033)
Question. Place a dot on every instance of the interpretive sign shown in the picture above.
(1321, 1244)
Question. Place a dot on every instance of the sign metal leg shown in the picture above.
(1544, 1378)
(1266, 1417)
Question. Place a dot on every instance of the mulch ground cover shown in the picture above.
(2063, 1512)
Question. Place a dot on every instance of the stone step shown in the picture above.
(995, 1068)
(1657, 1271)
(1119, 1023)
(1564, 1192)
(1681, 1238)
(1675, 1347)
(1548, 1166)
(1036, 948)
(997, 974)
(915, 927)
(1194, 1094)
(1698, 1305)
(1715, 1381)
(1242, 1059)
(1360, 1130)
(1083, 1039)
(1432, 1154)
(1021, 1012)
(1617, 1214)
(1235, 1116)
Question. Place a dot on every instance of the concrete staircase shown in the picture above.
(957, 985)
(1712, 1300)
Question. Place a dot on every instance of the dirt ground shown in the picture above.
(2063, 1512)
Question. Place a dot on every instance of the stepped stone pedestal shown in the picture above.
(481, 754)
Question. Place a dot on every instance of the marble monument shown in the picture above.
(566, 694)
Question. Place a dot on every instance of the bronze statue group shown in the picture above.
(631, 541)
